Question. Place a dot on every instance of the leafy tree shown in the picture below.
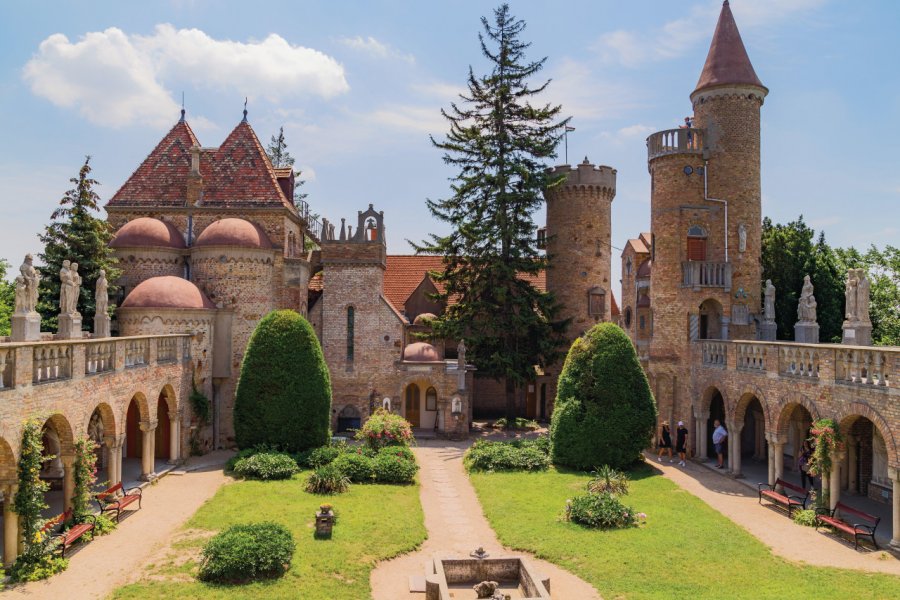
(78, 235)
(500, 143)
(604, 412)
(7, 298)
(883, 270)
(786, 251)
(283, 397)
(828, 280)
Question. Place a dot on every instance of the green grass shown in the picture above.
(686, 549)
(374, 522)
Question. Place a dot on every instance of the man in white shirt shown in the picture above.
(718, 438)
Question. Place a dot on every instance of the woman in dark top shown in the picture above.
(665, 441)
(681, 435)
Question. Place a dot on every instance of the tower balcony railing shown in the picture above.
(701, 274)
(684, 140)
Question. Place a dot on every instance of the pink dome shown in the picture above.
(167, 292)
(421, 352)
(424, 318)
(147, 231)
(234, 232)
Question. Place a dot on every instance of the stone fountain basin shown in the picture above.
(452, 578)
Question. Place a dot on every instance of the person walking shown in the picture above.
(681, 436)
(803, 464)
(718, 438)
(665, 442)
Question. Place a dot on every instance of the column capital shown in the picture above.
(776, 438)
(733, 427)
(174, 415)
(9, 489)
(147, 426)
(837, 458)
(894, 473)
(67, 459)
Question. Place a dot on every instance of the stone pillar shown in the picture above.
(779, 459)
(759, 450)
(726, 321)
(852, 465)
(834, 480)
(771, 463)
(734, 434)
(894, 475)
(148, 450)
(110, 442)
(68, 461)
(174, 437)
(702, 434)
(11, 525)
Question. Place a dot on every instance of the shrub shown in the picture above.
(327, 480)
(521, 423)
(266, 466)
(284, 391)
(600, 511)
(401, 451)
(392, 465)
(506, 456)
(231, 462)
(324, 455)
(247, 552)
(34, 567)
(604, 412)
(359, 468)
(608, 480)
(385, 428)
(806, 518)
(102, 525)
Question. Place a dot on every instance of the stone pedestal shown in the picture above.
(26, 327)
(70, 326)
(768, 331)
(101, 326)
(857, 333)
(806, 333)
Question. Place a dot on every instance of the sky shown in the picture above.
(358, 88)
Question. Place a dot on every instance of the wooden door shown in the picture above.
(696, 248)
(133, 431)
(530, 402)
(413, 398)
(163, 430)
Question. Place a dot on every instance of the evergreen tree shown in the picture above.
(500, 143)
(280, 158)
(829, 283)
(786, 257)
(883, 270)
(7, 298)
(78, 235)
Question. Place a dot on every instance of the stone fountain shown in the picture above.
(505, 577)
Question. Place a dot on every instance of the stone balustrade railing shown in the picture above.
(33, 363)
(675, 141)
(870, 366)
(699, 274)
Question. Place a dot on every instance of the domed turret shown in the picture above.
(234, 232)
(147, 232)
(167, 292)
(421, 352)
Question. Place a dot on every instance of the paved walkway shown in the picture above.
(785, 538)
(98, 568)
(456, 525)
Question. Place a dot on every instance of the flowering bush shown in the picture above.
(519, 455)
(385, 428)
(357, 466)
(266, 466)
(84, 475)
(395, 465)
(600, 511)
(827, 440)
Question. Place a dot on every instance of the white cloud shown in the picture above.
(630, 133)
(421, 119)
(116, 79)
(585, 97)
(375, 49)
(446, 92)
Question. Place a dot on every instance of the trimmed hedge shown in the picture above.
(247, 552)
(604, 412)
(266, 466)
(518, 455)
(283, 397)
(358, 467)
(395, 464)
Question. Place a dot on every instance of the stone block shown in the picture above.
(806, 333)
(101, 326)
(857, 334)
(26, 328)
(70, 327)
(768, 332)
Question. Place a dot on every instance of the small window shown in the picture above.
(596, 302)
(642, 322)
(350, 327)
(628, 266)
(431, 399)
(628, 318)
(696, 231)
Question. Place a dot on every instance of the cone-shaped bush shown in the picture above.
(604, 412)
(283, 397)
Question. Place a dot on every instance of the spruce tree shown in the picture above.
(78, 235)
(280, 158)
(500, 143)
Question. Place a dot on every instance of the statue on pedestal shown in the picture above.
(806, 309)
(101, 296)
(32, 280)
(850, 296)
(65, 280)
(862, 296)
(769, 305)
(857, 325)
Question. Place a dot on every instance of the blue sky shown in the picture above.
(358, 87)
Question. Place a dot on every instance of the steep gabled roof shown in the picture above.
(241, 174)
(727, 62)
(161, 180)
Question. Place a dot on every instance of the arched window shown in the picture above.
(350, 326)
(628, 318)
(628, 266)
(431, 399)
(696, 243)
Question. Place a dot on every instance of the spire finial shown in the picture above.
(181, 120)
(245, 110)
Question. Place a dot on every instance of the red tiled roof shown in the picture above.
(638, 246)
(404, 274)
(161, 180)
(614, 306)
(727, 62)
(241, 174)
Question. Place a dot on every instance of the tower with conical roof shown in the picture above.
(706, 218)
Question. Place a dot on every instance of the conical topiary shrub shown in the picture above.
(604, 412)
(283, 397)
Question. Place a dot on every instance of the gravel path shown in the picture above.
(456, 525)
(98, 568)
(772, 527)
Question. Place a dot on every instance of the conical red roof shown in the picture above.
(727, 62)
(161, 180)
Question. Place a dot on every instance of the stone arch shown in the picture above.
(143, 406)
(132, 418)
(60, 425)
(709, 393)
(710, 323)
(781, 412)
(349, 417)
(858, 409)
(7, 462)
(739, 409)
(107, 417)
(168, 395)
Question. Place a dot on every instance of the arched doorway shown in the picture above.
(163, 432)
(412, 403)
(716, 413)
(348, 419)
(58, 443)
(753, 432)
(133, 447)
(710, 320)
(865, 467)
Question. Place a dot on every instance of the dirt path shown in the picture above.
(772, 527)
(98, 568)
(456, 525)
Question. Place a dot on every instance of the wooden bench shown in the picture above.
(799, 498)
(837, 518)
(116, 498)
(69, 536)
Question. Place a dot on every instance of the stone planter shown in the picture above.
(324, 524)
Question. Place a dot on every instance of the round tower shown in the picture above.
(579, 225)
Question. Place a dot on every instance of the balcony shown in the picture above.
(675, 141)
(706, 274)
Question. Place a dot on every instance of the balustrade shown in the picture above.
(863, 366)
(751, 357)
(51, 363)
(683, 140)
(714, 354)
(100, 358)
(699, 274)
(7, 368)
(800, 361)
(166, 350)
(136, 352)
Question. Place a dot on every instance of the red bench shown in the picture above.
(837, 518)
(69, 536)
(116, 498)
(791, 501)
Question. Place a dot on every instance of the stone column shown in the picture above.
(174, 437)
(735, 437)
(894, 475)
(760, 435)
(11, 525)
(852, 465)
(779, 459)
(771, 463)
(702, 434)
(148, 449)
(834, 480)
(68, 461)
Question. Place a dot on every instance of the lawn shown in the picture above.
(374, 522)
(686, 549)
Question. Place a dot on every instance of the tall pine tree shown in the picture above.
(280, 158)
(78, 235)
(500, 143)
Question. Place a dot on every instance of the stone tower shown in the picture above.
(578, 243)
(706, 218)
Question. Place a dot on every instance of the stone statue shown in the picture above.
(101, 296)
(862, 296)
(806, 309)
(850, 296)
(485, 589)
(461, 355)
(742, 238)
(65, 281)
(769, 305)
(21, 295)
(32, 280)
(74, 290)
